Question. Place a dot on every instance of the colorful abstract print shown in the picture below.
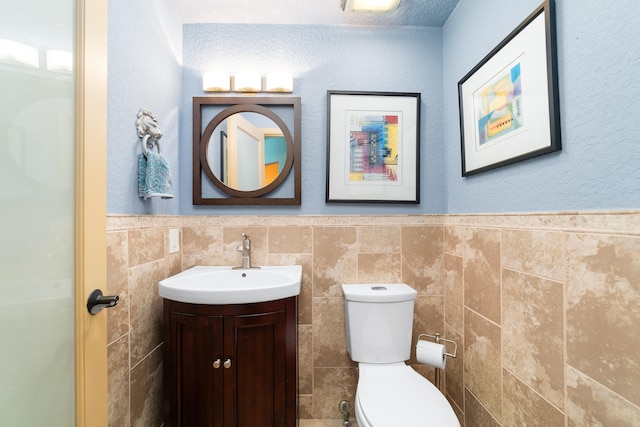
(373, 148)
(499, 106)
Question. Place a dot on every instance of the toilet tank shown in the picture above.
(379, 322)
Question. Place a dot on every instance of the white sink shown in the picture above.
(224, 285)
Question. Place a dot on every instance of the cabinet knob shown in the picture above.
(216, 364)
(227, 364)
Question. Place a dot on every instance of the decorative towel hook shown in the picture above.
(154, 176)
(149, 130)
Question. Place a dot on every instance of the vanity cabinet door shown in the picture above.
(230, 365)
(193, 387)
(255, 383)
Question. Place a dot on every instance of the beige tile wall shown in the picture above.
(545, 307)
(137, 258)
(548, 308)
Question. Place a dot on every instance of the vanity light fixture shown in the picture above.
(370, 5)
(279, 82)
(247, 82)
(216, 81)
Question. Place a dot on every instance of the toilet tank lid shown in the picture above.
(379, 292)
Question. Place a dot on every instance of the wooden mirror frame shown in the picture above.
(202, 138)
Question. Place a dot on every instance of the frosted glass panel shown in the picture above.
(37, 375)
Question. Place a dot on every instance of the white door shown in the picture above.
(52, 212)
(245, 151)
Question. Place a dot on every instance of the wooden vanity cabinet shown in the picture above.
(230, 365)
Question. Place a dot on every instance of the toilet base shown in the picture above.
(392, 395)
(360, 419)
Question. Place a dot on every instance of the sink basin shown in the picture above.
(224, 285)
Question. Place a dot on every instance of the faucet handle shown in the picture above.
(246, 243)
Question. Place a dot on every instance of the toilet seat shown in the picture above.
(391, 395)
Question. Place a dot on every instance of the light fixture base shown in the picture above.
(279, 82)
(248, 81)
(216, 81)
(379, 6)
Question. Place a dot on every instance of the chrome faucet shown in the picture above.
(245, 249)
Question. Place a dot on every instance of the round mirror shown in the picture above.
(246, 150)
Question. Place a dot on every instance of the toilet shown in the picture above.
(379, 322)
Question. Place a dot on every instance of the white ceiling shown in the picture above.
(429, 13)
(24, 20)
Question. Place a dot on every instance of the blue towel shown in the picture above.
(154, 177)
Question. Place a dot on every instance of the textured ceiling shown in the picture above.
(25, 20)
(429, 13)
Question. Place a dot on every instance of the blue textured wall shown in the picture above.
(322, 58)
(598, 63)
(144, 71)
(598, 57)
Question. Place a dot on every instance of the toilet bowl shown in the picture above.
(379, 323)
(394, 395)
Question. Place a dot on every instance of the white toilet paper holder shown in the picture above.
(438, 340)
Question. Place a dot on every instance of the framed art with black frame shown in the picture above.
(373, 147)
(509, 108)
